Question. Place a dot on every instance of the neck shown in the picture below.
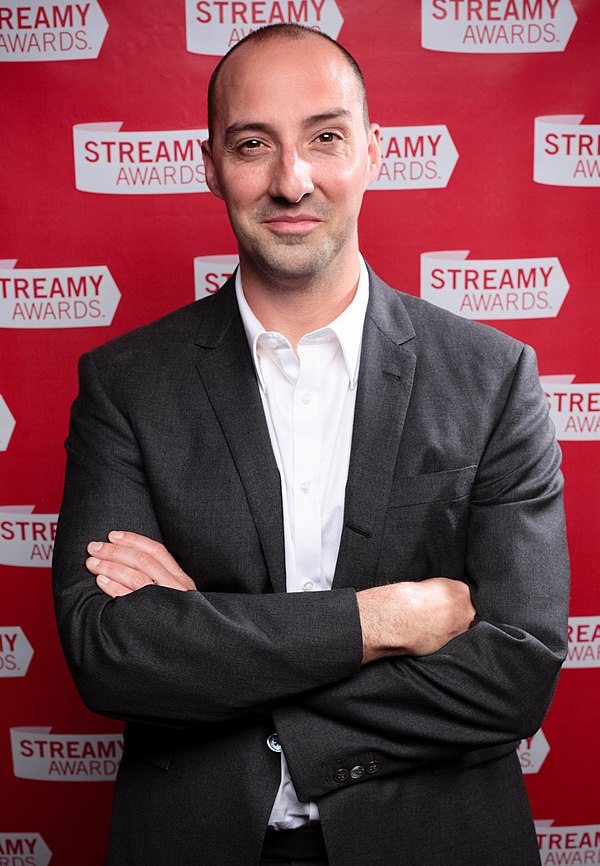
(295, 308)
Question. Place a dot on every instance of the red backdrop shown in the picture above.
(101, 230)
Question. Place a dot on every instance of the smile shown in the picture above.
(295, 225)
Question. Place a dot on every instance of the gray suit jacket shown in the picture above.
(454, 471)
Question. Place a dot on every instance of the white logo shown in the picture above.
(15, 652)
(7, 424)
(210, 272)
(26, 538)
(496, 26)
(566, 152)
(39, 754)
(56, 297)
(533, 752)
(51, 30)
(572, 845)
(137, 163)
(574, 409)
(415, 157)
(23, 849)
(215, 26)
(584, 642)
(493, 288)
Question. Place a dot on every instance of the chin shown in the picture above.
(288, 270)
(294, 263)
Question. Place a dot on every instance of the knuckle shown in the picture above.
(144, 559)
(107, 568)
(138, 580)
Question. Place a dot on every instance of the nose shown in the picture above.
(291, 177)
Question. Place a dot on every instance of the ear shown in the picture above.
(374, 152)
(210, 172)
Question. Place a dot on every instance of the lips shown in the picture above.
(296, 224)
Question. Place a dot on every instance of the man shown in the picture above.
(308, 428)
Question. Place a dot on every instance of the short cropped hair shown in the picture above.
(292, 32)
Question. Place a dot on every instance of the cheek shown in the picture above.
(346, 184)
(347, 196)
(242, 197)
(238, 209)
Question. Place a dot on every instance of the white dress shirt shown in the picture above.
(309, 399)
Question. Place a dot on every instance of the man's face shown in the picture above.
(291, 157)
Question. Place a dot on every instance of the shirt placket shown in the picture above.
(306, 467)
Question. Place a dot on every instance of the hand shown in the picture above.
(413, 618)
(128, 562)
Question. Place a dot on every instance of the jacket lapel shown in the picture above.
(384, 387)
(227, 372)
(387, 367)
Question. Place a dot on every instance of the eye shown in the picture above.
(250, 144)
(327, 137)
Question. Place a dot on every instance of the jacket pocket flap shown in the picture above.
(433, 487)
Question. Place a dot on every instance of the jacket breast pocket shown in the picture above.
(426, 526)
(444, 486)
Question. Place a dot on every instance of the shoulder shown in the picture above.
(170, 337)
(156, 364)
(441, 333)
(474, 364)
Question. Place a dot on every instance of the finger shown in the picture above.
(111, 588)
(114, 555)
(139, 561)
(130, 578)
(153, 548)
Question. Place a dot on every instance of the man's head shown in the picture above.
(292, 32)
(290, 152)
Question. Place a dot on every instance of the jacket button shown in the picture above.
(341, 775)
(357, 772)
(273, 743)
(373, 767)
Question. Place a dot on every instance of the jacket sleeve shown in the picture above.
(160, 655)
(492, 685)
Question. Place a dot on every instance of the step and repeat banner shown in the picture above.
(487, 204)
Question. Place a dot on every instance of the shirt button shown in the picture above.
(273, 743)
(373, 767)
(341, 775)
(307, 586)
(272, 342)
(357, 772)
(306, 397)
(305, 486)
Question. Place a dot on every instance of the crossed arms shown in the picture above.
(140, 649)
(397, 619)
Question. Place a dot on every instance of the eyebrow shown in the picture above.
(258, 126)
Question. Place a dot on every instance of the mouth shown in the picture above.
(292, 225)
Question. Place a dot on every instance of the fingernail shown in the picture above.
(102, 579)
(116, 534)
(95, 545)
(93, 561)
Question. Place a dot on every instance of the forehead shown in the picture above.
(285, 80)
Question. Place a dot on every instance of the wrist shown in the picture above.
(381, 611)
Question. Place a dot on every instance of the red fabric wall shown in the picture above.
(100, 232)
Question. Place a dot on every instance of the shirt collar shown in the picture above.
(347, 327)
